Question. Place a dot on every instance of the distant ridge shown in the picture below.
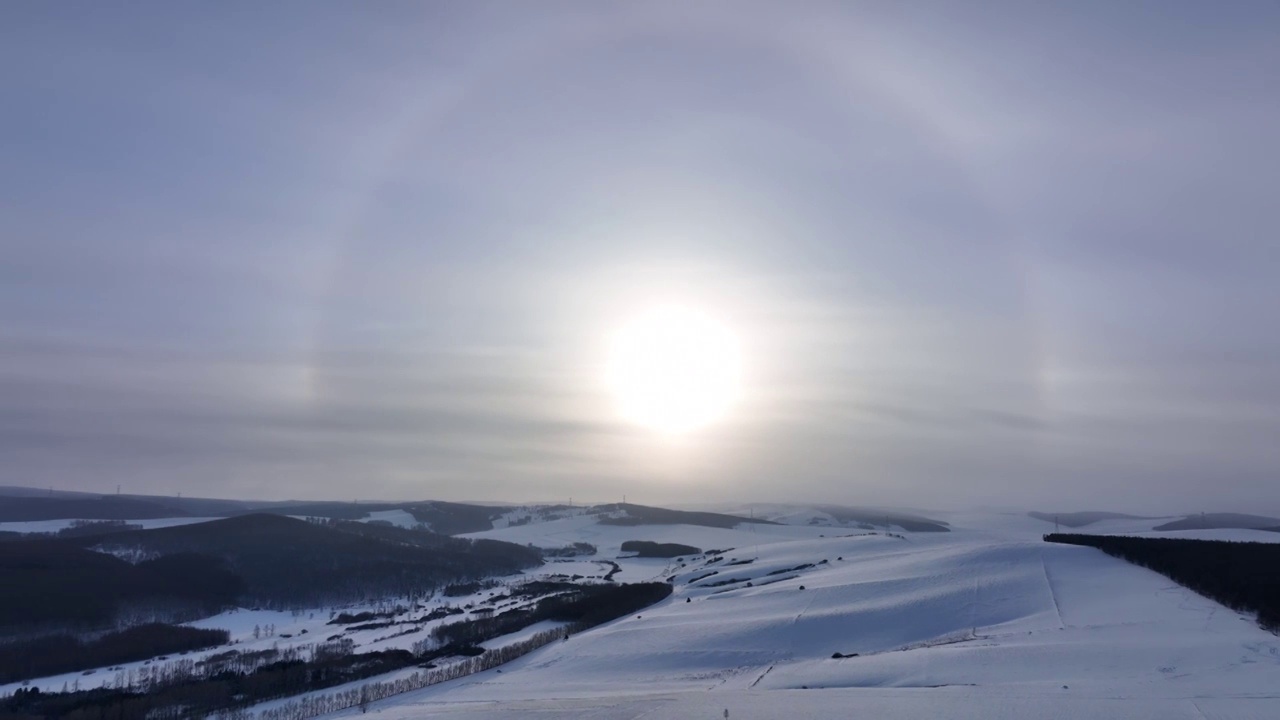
(872, 516)
(1087, 517)
(19, 491)
(1222, 521)
(19, 504)
(645, 515)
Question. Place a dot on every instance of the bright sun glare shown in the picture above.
(674, 369)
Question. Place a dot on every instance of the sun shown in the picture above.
(674, 369)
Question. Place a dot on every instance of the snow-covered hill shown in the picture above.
(985, 621)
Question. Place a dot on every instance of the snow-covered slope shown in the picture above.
(399, 518)
(986, 621)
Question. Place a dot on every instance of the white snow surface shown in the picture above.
(986, 622)
(399, 518)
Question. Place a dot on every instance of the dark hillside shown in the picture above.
(106, 507)
(454, 518)
(55, 584)
(288, 562)
(55, 654)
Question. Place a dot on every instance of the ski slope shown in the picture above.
(985, 622)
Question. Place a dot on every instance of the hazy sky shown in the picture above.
(1014, 253)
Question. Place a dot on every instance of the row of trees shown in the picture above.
(648, 549)
(583, 607)
(323, 703)
(190, 689)
(56, 654)
(1244, 576)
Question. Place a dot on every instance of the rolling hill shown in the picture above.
(285, 561)
(266, 560)
(18, 505)
(985, 621)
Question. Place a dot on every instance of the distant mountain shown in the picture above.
(1215, 521)
(29, 504)
(1080, 519)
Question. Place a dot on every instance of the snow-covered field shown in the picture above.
(399, 518)
(983, 622)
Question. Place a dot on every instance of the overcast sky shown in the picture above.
(1013, 253)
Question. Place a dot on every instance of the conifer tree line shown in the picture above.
(1244, 576)
(323, 703)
